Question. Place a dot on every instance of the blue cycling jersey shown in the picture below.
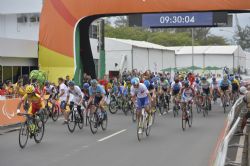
(99, 90)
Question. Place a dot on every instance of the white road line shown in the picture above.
(112, 135)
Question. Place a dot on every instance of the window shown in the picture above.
(93, 31)
(16, 73)
(7, 73)
(96, 61)
(25, 70)
(33, 68)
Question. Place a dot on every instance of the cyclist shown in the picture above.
(97, 95)
(77, 99)
(205, 87)
(225, 85)
(63, 97)
(140, 93)
(33, 99)
(187, 94)
(215, 87)
(235, 87)
(151, 90)
(176, 88)
(50, 90)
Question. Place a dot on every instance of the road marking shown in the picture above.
(112, 135)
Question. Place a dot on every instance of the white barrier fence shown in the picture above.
(229, 132)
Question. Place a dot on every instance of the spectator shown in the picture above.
(67, 80)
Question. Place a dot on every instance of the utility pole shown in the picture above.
(101, 43)
(192, 49)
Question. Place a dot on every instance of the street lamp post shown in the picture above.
(192, 49)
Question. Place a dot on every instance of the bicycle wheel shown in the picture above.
(93, 122)
(113, 106)
(148, 128)
(175, 112)
(183, 121)
(38, 136)
(55, 112)
(140, 127)
(44, 115)
(190, 118)
(23, 135)
(104, 123)
(125, 107)
(153, 115)
(134, 115)
(224, 104)
(80, 122)
(72, 122)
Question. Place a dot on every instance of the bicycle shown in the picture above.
(206, 106)
(235, 96)
(51, 111)
(164, 103)
(225, 102)
(198, 103)
(143, 124)
(187, 115)
(117, 103)
(32, 127)
(215, 95)
(97, 118)
(75, 119)
(176, 107)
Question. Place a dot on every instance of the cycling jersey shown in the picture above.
(140, 92)
(205, 85)
(215, 85)
(76, 93)
(176, 87)
(187, 94)
(35, 101)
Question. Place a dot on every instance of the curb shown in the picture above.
(9, 128)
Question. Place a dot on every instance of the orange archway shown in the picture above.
(59, 20)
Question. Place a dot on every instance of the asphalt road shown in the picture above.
(167, 145)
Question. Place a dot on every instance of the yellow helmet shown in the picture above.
(30, 89)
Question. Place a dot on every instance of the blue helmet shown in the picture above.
(135, 81)
(147, 83)
(86, 86)
(71, 83)
(203, 78)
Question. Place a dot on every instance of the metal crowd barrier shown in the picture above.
(230, 130)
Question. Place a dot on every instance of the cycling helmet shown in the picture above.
(129, 78)
(30, 89)
(86, 86)
(135, 81)
(93, 82)
(71, 83)
(214, 79)
(176, 80)
(146, 83)
(243, 90)
(186, 84)
(203, 78)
